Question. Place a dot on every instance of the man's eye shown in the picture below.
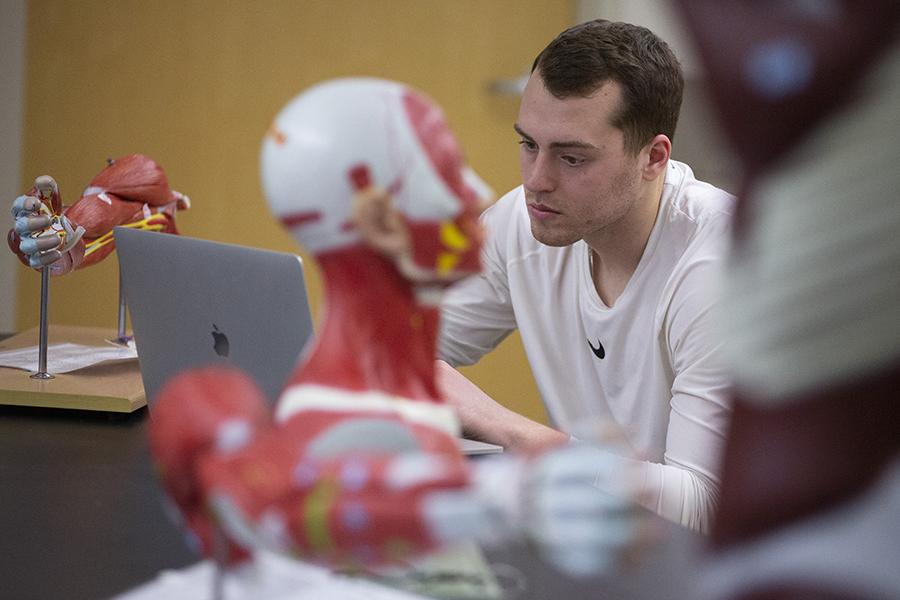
(528, 145)
(572, 161)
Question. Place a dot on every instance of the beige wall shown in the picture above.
(12, 70)
(195, 83)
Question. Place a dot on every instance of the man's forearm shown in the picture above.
(485, 419)
(521, 434)
(515, 432)
(677, 494)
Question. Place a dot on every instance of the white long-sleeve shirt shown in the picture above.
(649, 364)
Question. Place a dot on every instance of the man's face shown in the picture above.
(579, 180)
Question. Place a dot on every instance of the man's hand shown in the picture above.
(484, 419)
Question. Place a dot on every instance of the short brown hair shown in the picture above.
(584, 57)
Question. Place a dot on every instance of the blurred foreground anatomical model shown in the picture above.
(808, 93)
(360, 464)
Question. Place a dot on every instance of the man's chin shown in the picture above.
(556, 239)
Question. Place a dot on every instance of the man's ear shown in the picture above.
(657, 152)
(380, 223)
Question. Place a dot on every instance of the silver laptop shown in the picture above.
(195, 303)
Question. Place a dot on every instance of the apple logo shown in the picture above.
(220, 342)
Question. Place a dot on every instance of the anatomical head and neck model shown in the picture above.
(389, 229)
(360, 464)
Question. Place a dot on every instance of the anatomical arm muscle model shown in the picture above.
(131, 191)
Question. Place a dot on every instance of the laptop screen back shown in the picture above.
(196, 302)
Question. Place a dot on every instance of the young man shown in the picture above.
(603, 259)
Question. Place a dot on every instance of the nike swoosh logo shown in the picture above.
(599, 352)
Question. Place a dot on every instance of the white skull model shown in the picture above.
(342, 137)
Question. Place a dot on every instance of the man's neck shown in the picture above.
(616, 252)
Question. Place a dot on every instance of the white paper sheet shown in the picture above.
(67, 357)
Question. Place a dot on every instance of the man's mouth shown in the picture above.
(541, 211)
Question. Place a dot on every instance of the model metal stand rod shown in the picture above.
(42, 343)
(121, 337)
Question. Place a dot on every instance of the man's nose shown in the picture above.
(537, 176)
